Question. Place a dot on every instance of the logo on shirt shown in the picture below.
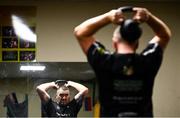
(58, 107)
(62, 114)
(101, 50)
(128, 70)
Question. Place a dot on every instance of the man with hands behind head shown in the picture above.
(63, 107)
(125, 78)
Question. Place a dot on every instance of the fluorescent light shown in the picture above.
(22, 30)
(32, 68)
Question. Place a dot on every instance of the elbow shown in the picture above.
(86, 91)
(38, 89)
(77, 32)
(80, 33)
(168, 34)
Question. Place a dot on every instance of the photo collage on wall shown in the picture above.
(13, 48)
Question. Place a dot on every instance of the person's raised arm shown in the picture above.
(161, 30)
(82, 90)
(86, 30)
(43, 88)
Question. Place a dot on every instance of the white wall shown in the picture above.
(55, 23)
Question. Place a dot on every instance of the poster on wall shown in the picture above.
(17, 33)
(9, 42)
(7, 31)
(9, 55)
(27, 55)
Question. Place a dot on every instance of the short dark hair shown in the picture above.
(130, 30)
(64, 88)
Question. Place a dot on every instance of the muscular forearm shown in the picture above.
(161, 30)
(42, 90)
(159, 27)
(46, 86)
(86, 30)
(81, 88)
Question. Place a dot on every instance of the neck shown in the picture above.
(125, 49)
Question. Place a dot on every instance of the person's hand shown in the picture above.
(141, 14)
(60, 83)
(67, 84)
(116, 16)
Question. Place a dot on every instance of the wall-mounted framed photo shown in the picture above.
(7, 31)
(9, 55)
(27, 55)
(26, 44)
(10, 42)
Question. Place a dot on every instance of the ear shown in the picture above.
(115, 46)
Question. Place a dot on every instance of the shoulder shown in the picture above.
(97, 53)
(78, 100)
(97, 47)
(152, 48)
(49, 102)
(98, 56)
(152, 55)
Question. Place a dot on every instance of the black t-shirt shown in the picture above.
(53, 109)
(125, 80)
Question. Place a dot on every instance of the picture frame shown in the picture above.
(27, 55)
(8, 31)
(9, 42)
(9, 55)
(26, 44)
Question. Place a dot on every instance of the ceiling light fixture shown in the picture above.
(32, 68)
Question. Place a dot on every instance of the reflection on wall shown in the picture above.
(18, 83)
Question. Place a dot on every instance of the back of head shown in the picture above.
(130, 30)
